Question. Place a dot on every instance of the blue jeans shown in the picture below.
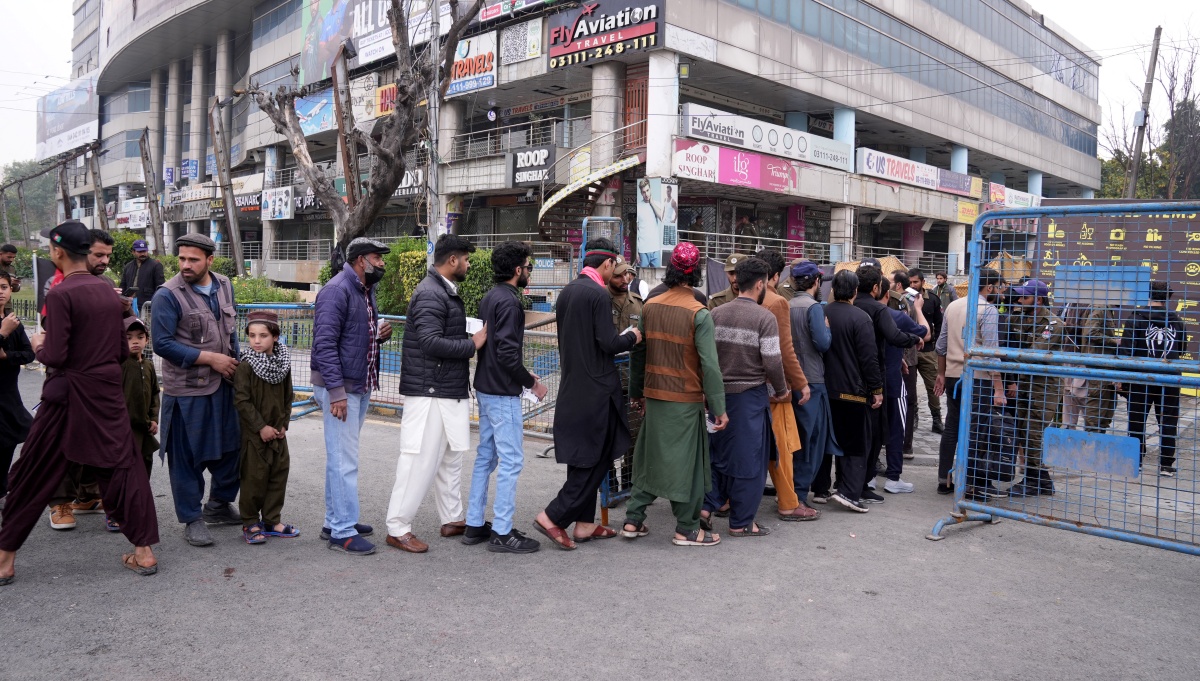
(650, 259)
(341, 461)
(813, 419)
(500, 447)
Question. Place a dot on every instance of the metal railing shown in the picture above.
(289, 177)
(306, 249)
(720, 246)
(251, 250)
(502, 140)
(927, 261)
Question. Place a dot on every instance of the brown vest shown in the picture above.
(199, 329)
(672, 363)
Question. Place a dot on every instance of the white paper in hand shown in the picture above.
(474, 325)
(528, 395)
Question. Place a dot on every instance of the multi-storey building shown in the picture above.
(836, 128)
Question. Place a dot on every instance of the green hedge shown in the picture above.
(260, 290)
(406, 269)
(123, 254)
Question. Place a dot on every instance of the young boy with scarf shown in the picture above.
(263, 397)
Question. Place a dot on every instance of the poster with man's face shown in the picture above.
(657, 219)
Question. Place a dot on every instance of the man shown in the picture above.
(747, 338)
(1032, 326)
(787, 284)
(100, 253)
(1102, 336)
(673, 374)
(8, 255)
(783, 416)
(347, 334)
(745, 235)
(855, 383)
(590, 426)
(944, 291)
(626, 303)
(142, 273)
(987, 391)
(1159, 334)
(82, 417)
(899, 381)
(435, 375)
(871, 291)
(931, 306)
(195, 333)
(731, 292)
(500, 378)
(810, 341)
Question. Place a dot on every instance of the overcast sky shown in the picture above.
(35, 54)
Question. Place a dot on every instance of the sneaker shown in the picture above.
(1166, 472)
(87, 507)
(937, 426)
(477, 535)
(869, 497)
(898, 487)
(871, 484)
(821, 498)
(196, 534)
(513, 542)
(221, 513)
(945, 488)
(850, 504)
(909, 455)
(976, 494)
(354, 545)
(62, 518)
(362, 530)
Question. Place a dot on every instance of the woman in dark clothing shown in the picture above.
(14, 352)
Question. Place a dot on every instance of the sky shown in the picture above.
(36, 54)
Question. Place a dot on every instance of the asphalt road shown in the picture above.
(849, 596)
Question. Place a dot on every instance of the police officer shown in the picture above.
(1033, 326)
(626, 303)
(1102, 336)
(787, 286)
(722, 297)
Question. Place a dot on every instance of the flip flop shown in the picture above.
(601, 532)
(556, 535)
(130, 561)
(288, 531)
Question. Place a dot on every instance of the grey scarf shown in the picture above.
(270, 368)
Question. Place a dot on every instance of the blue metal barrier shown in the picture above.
(1099, 343)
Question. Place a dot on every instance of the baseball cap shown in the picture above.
(870, 262)
(71, 235)
(140, 246)
(733, 259)
(1033, 287)
(805, 268)
(135, 323)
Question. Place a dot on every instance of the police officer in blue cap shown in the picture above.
(1034, 326)
(143, 273)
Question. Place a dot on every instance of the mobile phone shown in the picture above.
(130, 292)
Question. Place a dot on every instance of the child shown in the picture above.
(263, 397)
(140, 385)
(14, 351)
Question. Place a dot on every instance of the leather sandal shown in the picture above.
(556, 534)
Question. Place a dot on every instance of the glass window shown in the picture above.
(139, 97)
(781, 11)
(796, 16)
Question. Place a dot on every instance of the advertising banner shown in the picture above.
(958, 183)
(896, 169)
(545, 104)
(521, 42)
(702, 122)
(495, 10)
(696, 160)
(796, 232)
(739, 168)
(474, 66)
(277, 204)
(316, 113)
(657, 219)
(604, 29)
(967, 212)
(1002, 196)
(67, 118)
(531, 166)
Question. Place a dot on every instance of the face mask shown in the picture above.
(373, 274)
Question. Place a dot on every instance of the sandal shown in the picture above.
(750, 531)
(254, 534)
(697, 538)
(555, 534)
(130, 561)
(639, 530)
(111, 525)
(287, 532)
(722, 512)
(5, 581)
(706, 522)
(601, 532)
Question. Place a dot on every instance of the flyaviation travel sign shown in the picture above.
(714, 125)
(604, 29)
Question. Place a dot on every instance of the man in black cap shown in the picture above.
(195, 332)
(142, 273)
(82, 418)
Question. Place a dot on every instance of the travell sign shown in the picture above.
(474, 65)
(896, 169)
(705, 123)
(530, 167)
(604, 29)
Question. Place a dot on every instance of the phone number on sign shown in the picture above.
(601, 52)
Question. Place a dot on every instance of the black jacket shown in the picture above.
(931, 307)
(436, 356)
(146, 277)
(500, 369)
(1155, 333)
(886, 331)
(852, 368)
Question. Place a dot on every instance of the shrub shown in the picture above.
(406, 269)
(170, 265)
(260, 290)
(122, 249)
(220, 265)
(23, 265)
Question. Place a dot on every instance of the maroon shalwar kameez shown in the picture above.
(82, 418)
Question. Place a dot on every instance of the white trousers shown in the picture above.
(434, 433)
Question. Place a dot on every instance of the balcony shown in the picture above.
(251, 250)
(497, 141)
(306, 249)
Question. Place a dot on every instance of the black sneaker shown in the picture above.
(821, 497)
(513, 542)
(944, 488)
(849, 504)
(477, 535)
(869, 497)
(937, 427)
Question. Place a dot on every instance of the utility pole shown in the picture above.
(344, 110)
(98, 190)
(66, 194)
(1142, 118)
(221, 153)
(24, 213)
(432, 186)
(155, 231)
(4, 212)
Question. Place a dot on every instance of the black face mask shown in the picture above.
(373, 275)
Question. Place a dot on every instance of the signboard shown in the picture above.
(959, 183)
(195, 210)
(1000, 195)
(702, 122)
(277, 204)
(896, 169)
(67, 118)
(412, 184)
(581, 164)
(168, 175)
(657, 219)
(137, 220)
(495, 10)
(546, 104)
(521, 42)
(191, 168)
(474, 66)
(316, 113)
(531, 166)
(362, 99)
(967, 212)
(735, 167)
(696, 160)
(604, 29)
(385, 99)
(248, 203)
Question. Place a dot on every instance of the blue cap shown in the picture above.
(805, 269)
(1033, 287)
(140, 245)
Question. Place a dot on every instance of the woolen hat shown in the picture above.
(266, 316)
(72, 236)
(196, 241)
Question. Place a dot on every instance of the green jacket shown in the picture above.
(261, 404)
(140, 385)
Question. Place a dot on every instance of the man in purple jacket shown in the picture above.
(345, 369)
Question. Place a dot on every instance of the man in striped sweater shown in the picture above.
(747, 338)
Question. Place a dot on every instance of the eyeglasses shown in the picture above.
(527, 266)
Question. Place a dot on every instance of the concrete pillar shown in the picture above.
(841, 233)
(223, 80)
(843, 125)
(958, 159)
(450, 123)
(912, 240)
(957, 249)
(173, 120)
(197, 227)
(1088, 194)
(916, 154)
(271, 164)
(608, 114)
(1034, 179)
(662, 113)
(796, 120)
(199, 149)
(998, 178)
(157, 76)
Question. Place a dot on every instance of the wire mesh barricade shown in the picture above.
(618, 483)
(1076, 404)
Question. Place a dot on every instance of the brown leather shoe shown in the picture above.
(454, 529)
(408, 542)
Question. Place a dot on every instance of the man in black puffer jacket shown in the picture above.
(435, 374)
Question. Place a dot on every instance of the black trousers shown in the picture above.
(576, 501)
(949, 441)
(823, 483)
(850, 421)
(6, 457)
(981, 404)
(1164, 400)
(878, 423)
(910, 423)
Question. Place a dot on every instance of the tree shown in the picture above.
(1180, 148)
(402, 131)
(41, 199)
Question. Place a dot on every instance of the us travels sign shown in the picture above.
(604, 29)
